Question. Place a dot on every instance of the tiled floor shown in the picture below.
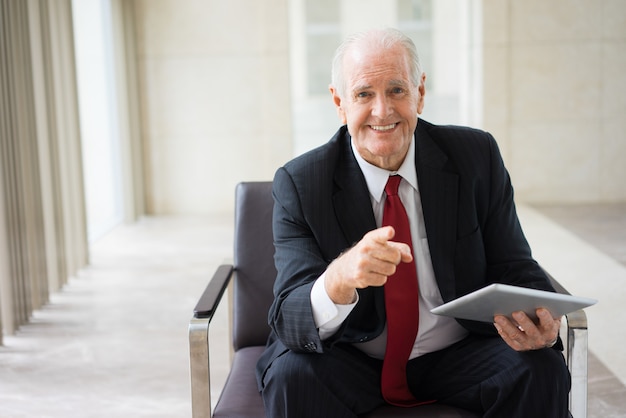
(603, 227)
(113, 343)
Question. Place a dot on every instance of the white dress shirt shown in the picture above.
(435, 332)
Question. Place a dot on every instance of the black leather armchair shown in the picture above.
(252, 277)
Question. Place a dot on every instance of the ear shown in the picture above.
(422, 91)
(337, 101)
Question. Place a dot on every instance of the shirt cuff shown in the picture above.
(328, 316)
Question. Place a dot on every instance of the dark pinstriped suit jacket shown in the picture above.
(322, 207)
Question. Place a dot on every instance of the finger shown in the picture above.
(382, 235)
(550, 325)
(385, 267)
(507, 328)
(385, 253)
(534, 336)
(405, 251)
(513, 343)
(512, 334)
(353, 270)
(545, 318)
(523, 334)
(525, 324)
(373, 279)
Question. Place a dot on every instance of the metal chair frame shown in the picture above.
(573, 334)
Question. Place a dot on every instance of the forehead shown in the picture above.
(365, 66)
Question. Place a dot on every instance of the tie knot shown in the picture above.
(392, 185)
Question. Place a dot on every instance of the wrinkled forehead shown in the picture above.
(367, 66)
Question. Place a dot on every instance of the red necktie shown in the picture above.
(401, 304)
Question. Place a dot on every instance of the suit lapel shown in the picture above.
(353, 209)
(352, 203)
(439, 195)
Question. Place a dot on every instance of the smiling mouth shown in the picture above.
(383, 128)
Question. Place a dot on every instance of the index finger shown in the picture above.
(405, 250)
(544, 315)
(524, 323)
(382, 235)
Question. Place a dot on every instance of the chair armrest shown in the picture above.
(210, 299)
(576, 319)
(199, 366)
(575, 355)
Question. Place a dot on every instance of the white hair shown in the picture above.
(377, 38)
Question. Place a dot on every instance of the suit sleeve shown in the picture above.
(291, 315)
(509, 258)
(490, 244)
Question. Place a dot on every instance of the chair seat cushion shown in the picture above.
(241, 384)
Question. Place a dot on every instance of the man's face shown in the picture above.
(380, 104)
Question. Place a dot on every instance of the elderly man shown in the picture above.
(392, 217)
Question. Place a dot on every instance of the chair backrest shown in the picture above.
(254, 263)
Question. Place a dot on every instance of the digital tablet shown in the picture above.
(502, 299)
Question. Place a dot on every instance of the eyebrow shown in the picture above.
(392, 83)
(362, 87)
(395, 83)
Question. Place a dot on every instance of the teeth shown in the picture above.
(384, 128)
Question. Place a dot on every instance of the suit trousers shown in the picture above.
(480, 374)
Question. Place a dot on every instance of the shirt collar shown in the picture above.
(376, 177)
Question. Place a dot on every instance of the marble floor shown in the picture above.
(113, 342)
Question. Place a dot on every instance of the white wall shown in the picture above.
(546, 78)
(215, 96)
(555, 95)
(434, 27)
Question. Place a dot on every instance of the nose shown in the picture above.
(382, 107)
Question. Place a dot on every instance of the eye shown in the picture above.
(397, 91)
(362, 95)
